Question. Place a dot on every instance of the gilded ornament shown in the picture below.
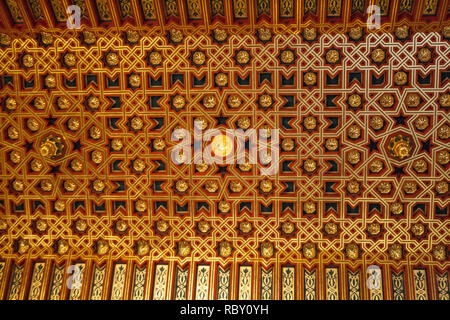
(184, 248)
(209, 101)
(140, 206)
(93, 102)
(374, 228)
(265, 100)
(69, 185)
(116, 144)
(236, 186)
(89, 37)
(397, 208)
(310, 123)
(201, 167)
(353, 187)
(376, 122)
(32, 124)
(97, 156)
(28, 60)
(162, 226)
(95, 132)
(176, 36)
(309, 165)
(132, 36)
(402, 32)
(444, 132)
(11, 104)
(70, 59)
(3, 225)
(309, 250)
(355, 100)
(134, 80)
(245, 226)
(264, 34)
(224, 206)
(159, 144)
(412, 100)
(15, 157)
(356, 33)
(234, 101)
(41, 225)
(200, 123)
(155, 58)
(36, 165)
(179, 133)
(178, 102)
(287, 227)
(396, 251)
(181, 186)
(420, 166)
(422, 122)
(39, 103)
(378, 55)
(352, 251)
(222, 145)
(387, 100)
(22, 246)
(136, 123)
(332, 144)
(288, 144)
(400, 147)
(384, 187)
(225, 249)
(245, 166)
(309, 207)
(220, 35)
(63, 246)
(5, 40)
(439, 252)
(309, 34)
(211, 186)
(59, 205)
(203, 226)
(244, 122)
(199, 58)
(410, 187)
(266, 186)
(287, 56)
(242, 57)
(98, 185)
(332, 56)
(444, 100)
(63, 102)
(424, 55)
(442, 187)
(46, 38)
(121, 226)
(112, 59)
(400, 78)
(265, 131)
(13, 133)
(443, 157)
(446, 32)
(354, 131)
(221, 79)
(138, 165)
(267, 249)
(81, 225)
(50, 81)
(331, 228)
(354, 157)
(102, 247)
(143, 248)
(46, 185)
(310, 78)
(418, 229)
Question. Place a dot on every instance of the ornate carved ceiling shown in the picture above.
(87, 179)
